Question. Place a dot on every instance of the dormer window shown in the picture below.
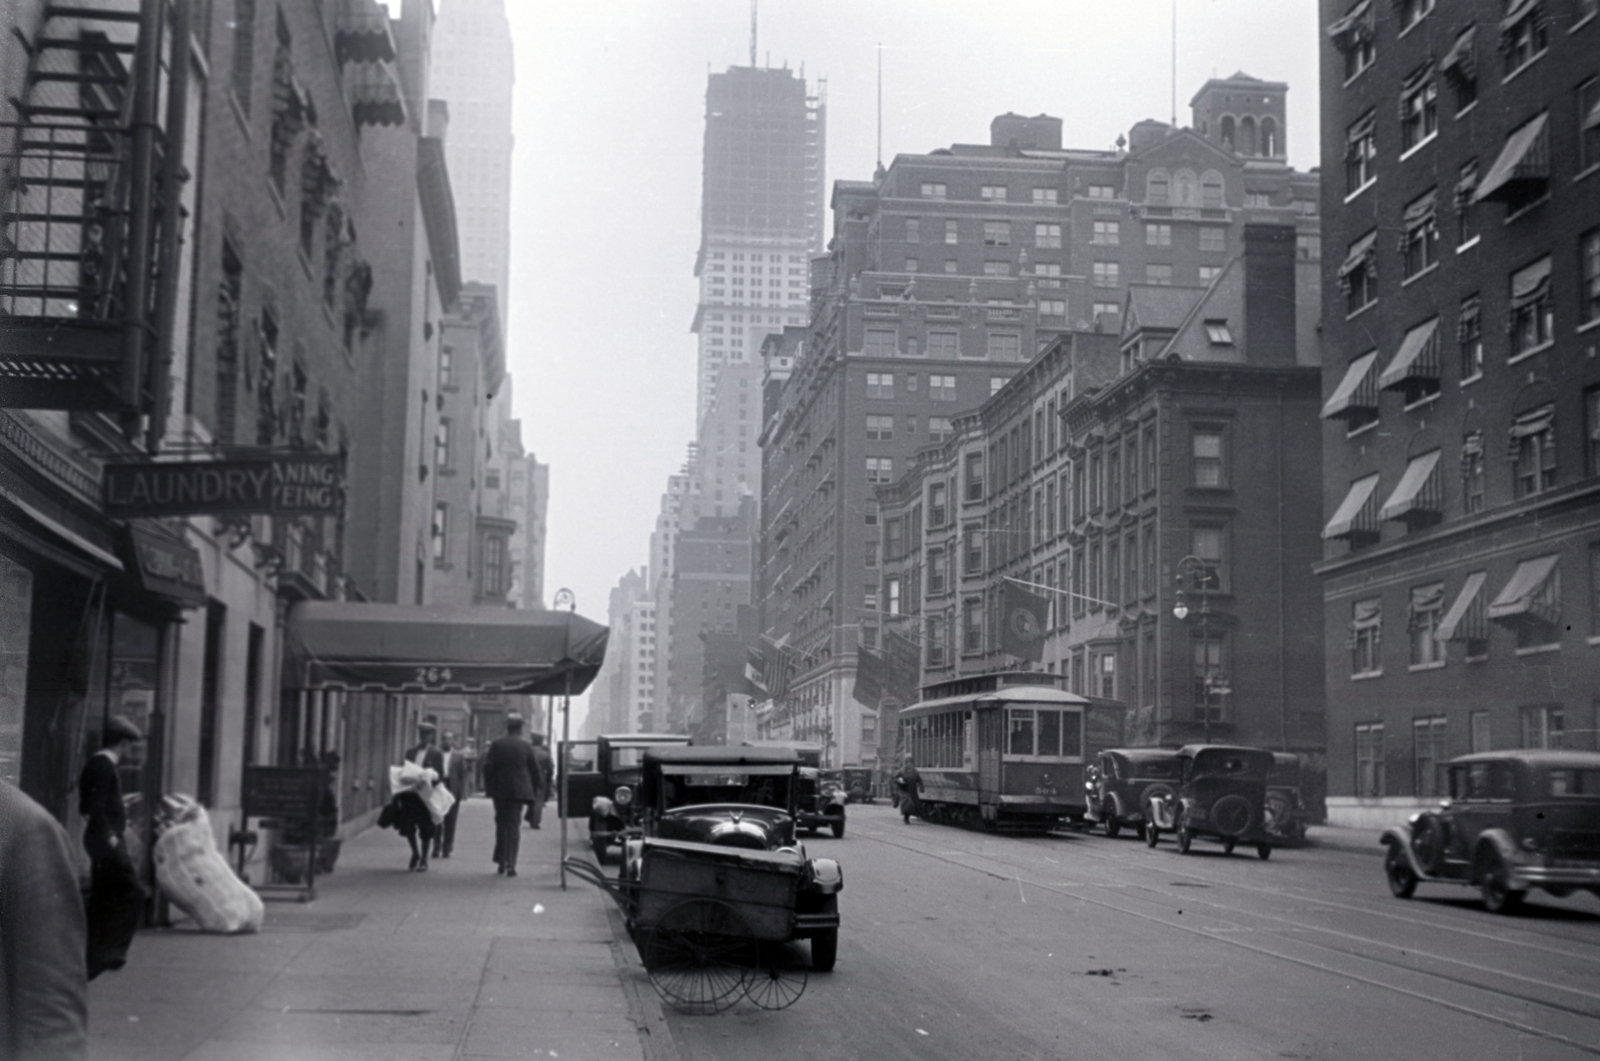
(1218, 334)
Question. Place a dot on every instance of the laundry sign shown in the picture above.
(279, 484)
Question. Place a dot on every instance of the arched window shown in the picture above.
(1247, 136)
(1211, 189)
(1227, 132)
(1269, 138)
(1156, 186)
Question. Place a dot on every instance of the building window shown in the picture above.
(972, 555)
(1212, 239)
(942, 388)
(1430, 755)
(938, 505)
(1157, 186)
(1218, 333)
(492, 580)
(933, 191)
(1412, 11)
(1469, 337)
(992, 193)
(1158, 274)
(1591, 431)
(937, 572)
(1045, 195)
(1106, 309)
(441, 528)
(1207, 457)
(911, 265)
(1589, 124)
(880, 428)
(1466, 218)
(974, 475)
(1427, 608)
(1005, 346)
(880, 384)
(1360, 152)
(1105, 274)
(1369, 761)
(913, 230)
(1102, 191)
(1047, 235)
(1533, 450)
(1460, 66)
(936, 641)
(952, 235)
(1419, 107)
(950, 265)
(996, 268)
(1208, 545)
(1472, 472)
(1544, 726)
(939, 428)
(869, 554)
(995, 384)
(1359, 274)
(946, 345)
(891, 596)
(1366, 625)
(997, 233)
(1107, 233)
(1523, 34)
(972, 626)
(1420, 242)
(1479, 737)
(880, 342)
(1052, 307)
(1589, 271)
(880, 469)
(441, 445)
(1157, 235)
(1353, 36)
(1532, 322)
(1208, 676)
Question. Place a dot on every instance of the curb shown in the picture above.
(655, 1038)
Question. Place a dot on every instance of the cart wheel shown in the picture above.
(776, 983)
(692, 955)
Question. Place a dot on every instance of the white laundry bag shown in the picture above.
(192, 873)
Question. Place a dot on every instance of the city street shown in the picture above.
(963, 945)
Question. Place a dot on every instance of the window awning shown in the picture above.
(1460, 61)
(1348, 517)
(1592, 119)
(1533, 422)
(1360, 251)
(1518, 599)
(1355, 26)
(1529, 285)
(1422, 210)
(402, 648)
(1457, 624)
(1354, 391)
(361, 33)
(1418, 359)
(1414, 495)
(374, 94)
(1526, 157)
(1516, 11)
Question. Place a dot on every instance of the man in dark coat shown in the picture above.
(115, 894)
(428, 755)
(44, 984)
(547, 774)
(455, 779)
(511, 779)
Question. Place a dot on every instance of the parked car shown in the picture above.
(1286, 809)
(1123, 781)
(1514, 820)
(821, 800)
(607, 790)
(857, 782)
(1222, 794)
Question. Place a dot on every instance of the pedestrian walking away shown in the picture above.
(512, 779)
(456, 772)
(547, 772)
(44, 982)
(909, 784)
(116, 896)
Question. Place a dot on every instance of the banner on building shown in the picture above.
(1024, 617)
(902, 668)
(871, 673)
(277, 484)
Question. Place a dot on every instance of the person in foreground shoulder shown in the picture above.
(44, 982)
(511, 779)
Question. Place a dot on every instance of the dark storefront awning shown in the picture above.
(402, 648)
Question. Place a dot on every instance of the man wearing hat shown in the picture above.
(115, 892)
(511, 779)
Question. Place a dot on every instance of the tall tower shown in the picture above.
(761, 209)
(473, 72)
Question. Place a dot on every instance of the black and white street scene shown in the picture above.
(854, 530)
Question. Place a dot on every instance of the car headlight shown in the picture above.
(623, 795)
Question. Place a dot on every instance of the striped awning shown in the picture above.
(1460, 62)
(1520, 597)
(374, 93)
(1361, 251)
(1525, 157)
(1355, 392)
(1353, 513)
(1355, 27)
(1418, 359)
(1464, 621)
(1418, 492)
(362, 34)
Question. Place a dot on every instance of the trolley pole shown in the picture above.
(563, 758)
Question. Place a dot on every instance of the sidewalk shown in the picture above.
(1339, 838)
(453, 964)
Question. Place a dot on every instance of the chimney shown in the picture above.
(1269, 294)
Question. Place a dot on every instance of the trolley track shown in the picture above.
(1482, 992)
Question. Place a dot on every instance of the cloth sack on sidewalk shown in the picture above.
(409, 777)
(192, 873)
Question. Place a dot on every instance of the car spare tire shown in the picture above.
(1232, 815)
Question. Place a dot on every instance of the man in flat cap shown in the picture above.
(511, 779)
(115, 895)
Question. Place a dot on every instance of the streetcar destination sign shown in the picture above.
(310, 484)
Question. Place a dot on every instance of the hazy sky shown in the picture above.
(609, 119)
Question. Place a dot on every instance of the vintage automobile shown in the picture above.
(1286, 809)
(606, 791)
(1123, 781)
(821, 800)
(1222, 794)
(857, 781)
(1514, 820)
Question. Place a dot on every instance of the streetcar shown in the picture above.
(1005, 751)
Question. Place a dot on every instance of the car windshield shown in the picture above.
(626, 758)
(684, 790)
(1574, 782)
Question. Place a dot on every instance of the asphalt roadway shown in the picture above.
(964, 945)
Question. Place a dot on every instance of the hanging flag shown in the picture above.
(871, 673)
(903, 668)
(1023, 622)
(755, 668)
(780, 667)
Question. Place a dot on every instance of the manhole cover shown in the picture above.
(309, 921)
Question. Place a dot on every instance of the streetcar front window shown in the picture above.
(1049, 733)
(1020, 740)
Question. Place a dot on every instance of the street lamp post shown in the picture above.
(1195, 574)
(564, 758)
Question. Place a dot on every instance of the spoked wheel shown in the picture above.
(1185, 838)
(776, 983)
(1494, 884)
(1402, 879)
(693, 953)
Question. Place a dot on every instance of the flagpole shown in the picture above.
(1063, 592)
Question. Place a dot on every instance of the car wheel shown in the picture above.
(1185, 840)
(838, 828)
(1152, 835)
(1428, 843)
(1113, 827)
(1228, 845)
(1493, 883)
(1233, 815)
(1402, 879)
(1263, 851)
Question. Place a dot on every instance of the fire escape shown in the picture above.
(90, 175)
